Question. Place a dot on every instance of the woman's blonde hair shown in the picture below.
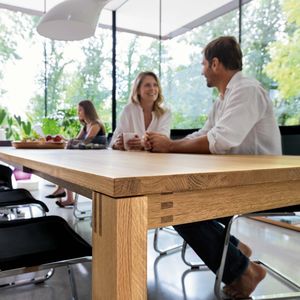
(135, 97)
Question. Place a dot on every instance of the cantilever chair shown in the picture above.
(290, 139)
(296, 286)
(12, 200)
(31, 245)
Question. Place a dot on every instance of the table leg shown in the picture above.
(119, 248)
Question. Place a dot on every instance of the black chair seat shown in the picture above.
(37, 241)
(19, 197)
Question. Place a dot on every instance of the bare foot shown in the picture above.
(247, 283)
(246, 250)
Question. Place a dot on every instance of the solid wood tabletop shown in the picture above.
(122, 173)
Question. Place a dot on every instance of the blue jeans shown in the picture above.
(206, 238)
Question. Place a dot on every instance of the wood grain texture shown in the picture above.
(126, 174)
(134, 191)
(215, 203)
(119, 263)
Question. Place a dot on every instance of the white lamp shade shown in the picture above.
(71, 20)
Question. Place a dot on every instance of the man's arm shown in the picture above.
(161, 143)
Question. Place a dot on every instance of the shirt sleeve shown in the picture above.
(123, 125)
(204, 130)
(164, 124)
(244, 109)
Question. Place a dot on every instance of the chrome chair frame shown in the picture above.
(193, 265)
(80, 214)
(43, 266)
(12, 210)
(51, 267)
(175, 248)
(219, 275)
(167, 250)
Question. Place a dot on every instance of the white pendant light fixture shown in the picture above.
(71, 20)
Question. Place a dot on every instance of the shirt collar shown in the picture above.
(234, 79)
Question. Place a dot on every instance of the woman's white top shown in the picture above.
(132, 120)
(243, 122)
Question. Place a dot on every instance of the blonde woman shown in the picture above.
(143, 113)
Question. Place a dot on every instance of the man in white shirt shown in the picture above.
(241, 121)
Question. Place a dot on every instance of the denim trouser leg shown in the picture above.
(206, 239)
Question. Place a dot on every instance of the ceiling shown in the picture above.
(143, 16)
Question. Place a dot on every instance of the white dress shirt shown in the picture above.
(132, 120)
(243, 122)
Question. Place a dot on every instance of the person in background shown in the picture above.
(144, 112)
(91, 130)
(241, 121)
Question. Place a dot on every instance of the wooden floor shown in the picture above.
(168, 277)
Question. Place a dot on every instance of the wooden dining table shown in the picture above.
(135, 191)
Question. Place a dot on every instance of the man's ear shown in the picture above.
(215, 63)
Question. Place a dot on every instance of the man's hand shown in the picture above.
(159, 142)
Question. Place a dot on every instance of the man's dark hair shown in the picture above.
(227, 50)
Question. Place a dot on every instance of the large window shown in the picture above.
(42, 78)
(184, 86)
(270, 41)
(134, 54)
(42, 81)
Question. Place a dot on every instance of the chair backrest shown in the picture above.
(15, 197)
(5, 176)
(290, 139)
(109, 136)
(181, 133)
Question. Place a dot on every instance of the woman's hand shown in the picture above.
(70, 143)
(146, 142)
(135, 143)
(119, 143)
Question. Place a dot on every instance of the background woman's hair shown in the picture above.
(89, 110)
(135, 98)
(227, 50)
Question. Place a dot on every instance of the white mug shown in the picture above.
(126, 137)
(2, 134)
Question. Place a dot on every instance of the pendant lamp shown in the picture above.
(71, 20)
